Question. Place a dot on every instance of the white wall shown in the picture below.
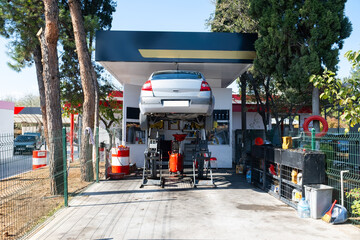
(29, 129)
(223, 153)
(302, 119)
(115, 128)
(253, 121)
(7, 117)
(131, 99)
(6, 128)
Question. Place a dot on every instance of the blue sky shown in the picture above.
(158, 15)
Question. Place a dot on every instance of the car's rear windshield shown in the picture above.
(181, 75)
(23, 138)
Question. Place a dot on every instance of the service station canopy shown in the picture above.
(131, 56)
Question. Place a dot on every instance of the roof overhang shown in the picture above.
(131, 56)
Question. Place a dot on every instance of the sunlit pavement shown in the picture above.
(119, 209)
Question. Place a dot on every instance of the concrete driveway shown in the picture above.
(234, 210)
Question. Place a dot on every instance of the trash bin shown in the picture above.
(319, 197)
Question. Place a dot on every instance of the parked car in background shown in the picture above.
(176, 94)
(339, 142)
(25, 144)
(342, 146)
(39, 138)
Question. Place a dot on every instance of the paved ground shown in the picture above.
(233, 210)
(13, 165)
(17, 164)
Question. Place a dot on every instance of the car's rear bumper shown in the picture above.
(149, 105)
(21, 150)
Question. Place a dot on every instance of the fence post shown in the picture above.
(65, 168)
(79, 135)
(313, 142)
(97, 153)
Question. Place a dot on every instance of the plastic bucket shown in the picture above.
(319, 197)
(287, 142)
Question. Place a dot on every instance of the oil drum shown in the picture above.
(120, 160)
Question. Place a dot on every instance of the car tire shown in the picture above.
(143, 119)
(209, 123)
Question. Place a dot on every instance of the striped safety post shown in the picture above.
(39, 159)
(120, 162)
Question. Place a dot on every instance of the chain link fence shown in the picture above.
(36, 180)
(342, 153)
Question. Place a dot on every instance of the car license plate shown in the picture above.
(20, 149)
(176, 103)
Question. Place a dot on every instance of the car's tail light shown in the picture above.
(205, 86)
(147, 86)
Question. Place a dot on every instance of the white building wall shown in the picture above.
(253, 121)
(131, 99)
(223, 153)
(115, 129)
(302, 117)
(7, 117)
(6, 129)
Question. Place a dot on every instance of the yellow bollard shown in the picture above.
(287, 142)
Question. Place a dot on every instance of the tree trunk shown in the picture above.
(48, 40)
(39, 74)
(267, 106)
(316, 111)
(97, 114)
(108, 130)
(88, 78)
(96, 96)
(261, 107)
(243, 116)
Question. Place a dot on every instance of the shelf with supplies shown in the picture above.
(286, 171)
(272, 176)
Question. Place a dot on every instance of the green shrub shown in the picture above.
(355, 207)
(329, 151)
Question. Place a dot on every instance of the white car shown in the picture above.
(176, 94)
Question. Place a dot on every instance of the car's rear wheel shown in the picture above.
(143, 119)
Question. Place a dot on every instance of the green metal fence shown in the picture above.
(342, 162)
(29, 191)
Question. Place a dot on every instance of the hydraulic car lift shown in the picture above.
(153, 165)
